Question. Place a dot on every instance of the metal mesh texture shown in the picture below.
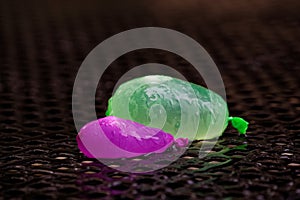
(255, 45)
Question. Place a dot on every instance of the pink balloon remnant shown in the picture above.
(113, 137)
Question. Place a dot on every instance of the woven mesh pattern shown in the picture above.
(255, 45)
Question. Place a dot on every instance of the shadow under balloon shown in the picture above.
(143, 164)
(98, 180)
(180, 157)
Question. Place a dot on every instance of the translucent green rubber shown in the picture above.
(173, 105)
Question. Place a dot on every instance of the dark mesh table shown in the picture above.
(255, 45)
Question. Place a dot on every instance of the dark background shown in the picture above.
(255, 44)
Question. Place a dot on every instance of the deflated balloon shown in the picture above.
(113, 137)
(178, 107)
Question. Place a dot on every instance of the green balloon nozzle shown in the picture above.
(239, 123)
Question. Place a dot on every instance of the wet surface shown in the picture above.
(255, 45)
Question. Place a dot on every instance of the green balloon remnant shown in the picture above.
(178, 107)
(239, 123)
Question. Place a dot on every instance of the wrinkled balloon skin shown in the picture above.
(112, 137)
(151, 100)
